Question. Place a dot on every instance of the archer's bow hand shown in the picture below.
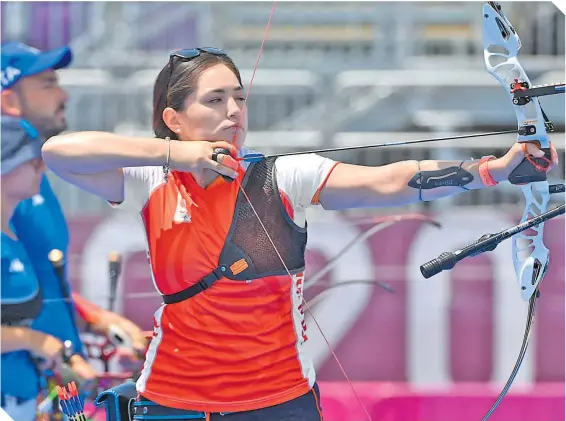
(525, 162)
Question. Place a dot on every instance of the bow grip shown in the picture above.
(531, 169)
(222, 151)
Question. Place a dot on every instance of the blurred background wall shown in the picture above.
(335, 74)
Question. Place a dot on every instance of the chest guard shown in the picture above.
(247, 252)
(15, 312)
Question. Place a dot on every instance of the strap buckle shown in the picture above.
(211, 278)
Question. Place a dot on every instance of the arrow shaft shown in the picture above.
(381, 145)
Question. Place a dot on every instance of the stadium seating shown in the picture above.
(332, 73)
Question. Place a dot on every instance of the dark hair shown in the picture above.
(182, 84)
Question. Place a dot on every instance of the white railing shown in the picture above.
(296, 99)
(330, 36)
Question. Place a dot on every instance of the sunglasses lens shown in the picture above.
(214, 51)
(187, 54)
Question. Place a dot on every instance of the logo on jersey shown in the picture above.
(181, 212)
(299, 283)
(16, 266)
(37, 200)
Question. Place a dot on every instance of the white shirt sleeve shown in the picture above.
(139, 182)
(301, 177)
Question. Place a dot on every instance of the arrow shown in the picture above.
(256, 157)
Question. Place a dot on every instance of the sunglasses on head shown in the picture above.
(189, 54)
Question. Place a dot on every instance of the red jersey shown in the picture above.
(237, 346)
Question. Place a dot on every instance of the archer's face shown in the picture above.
(215, 110)
(42, 103)
(24, 181)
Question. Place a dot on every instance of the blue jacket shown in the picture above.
(40, 225)
(20, 375)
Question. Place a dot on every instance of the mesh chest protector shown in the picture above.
(247, 252)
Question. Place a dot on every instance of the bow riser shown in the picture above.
(501, 45)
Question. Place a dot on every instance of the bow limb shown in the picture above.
(522, 353)
(271, 240)
(380, 224)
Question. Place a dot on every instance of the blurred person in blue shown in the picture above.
(31, 91)
(21, 297)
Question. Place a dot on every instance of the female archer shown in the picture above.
(226, 239)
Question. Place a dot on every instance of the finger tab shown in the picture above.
(222, 156)
(219, 151)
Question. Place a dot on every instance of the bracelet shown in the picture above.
(167, 167)
(485, 175)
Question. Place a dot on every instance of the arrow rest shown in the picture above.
(520, 85)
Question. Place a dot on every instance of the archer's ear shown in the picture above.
(171, 119)
(11, 104)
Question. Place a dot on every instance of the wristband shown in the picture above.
(67, 351)
(485, 176)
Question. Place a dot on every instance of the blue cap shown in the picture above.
(20, 143)
(20, 60)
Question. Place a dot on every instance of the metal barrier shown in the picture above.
(325, 36)
(318, 73)
(473, 92)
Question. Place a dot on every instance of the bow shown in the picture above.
(530, 256)
(501, 44)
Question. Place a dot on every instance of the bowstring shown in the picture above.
(241, 188)
(308, 307)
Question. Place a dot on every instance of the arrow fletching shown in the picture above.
(253, 157)
(71, 403)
